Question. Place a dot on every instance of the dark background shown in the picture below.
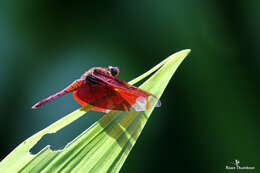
(210, 112)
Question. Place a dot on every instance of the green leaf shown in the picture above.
(105, 145)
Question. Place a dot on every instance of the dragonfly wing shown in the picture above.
(113, 94)
(104, 98)
(80, 99)
(137, 99)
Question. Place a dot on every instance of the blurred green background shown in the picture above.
(210, 109)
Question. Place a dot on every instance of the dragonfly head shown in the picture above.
(114, 70)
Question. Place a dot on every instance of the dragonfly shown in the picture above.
(101, 88)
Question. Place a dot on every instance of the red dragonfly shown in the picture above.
(101, 88)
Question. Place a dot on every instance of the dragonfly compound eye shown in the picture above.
(114, 70)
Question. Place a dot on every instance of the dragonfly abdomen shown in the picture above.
(48, 99)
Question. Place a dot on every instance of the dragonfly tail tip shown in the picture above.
(35, 106)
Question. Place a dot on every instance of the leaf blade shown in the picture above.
(105, 145)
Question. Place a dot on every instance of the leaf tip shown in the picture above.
(187, 51)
